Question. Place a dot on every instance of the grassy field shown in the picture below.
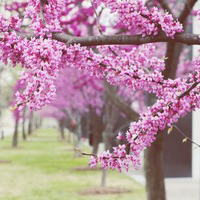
(42, 169)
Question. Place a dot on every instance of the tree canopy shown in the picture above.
(111, 40)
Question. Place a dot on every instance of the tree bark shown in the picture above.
(154, 164)
(23, 125)
(68, 137)
(154, 170)
(110, 119)
(97, 136)
(61, 124)
(30, 126)
(96, 128)
(15, 135)
(23, 131)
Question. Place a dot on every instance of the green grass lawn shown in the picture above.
(42, 169)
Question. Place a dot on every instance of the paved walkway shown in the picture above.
(176, 188)
(182, 189)
(6, 124)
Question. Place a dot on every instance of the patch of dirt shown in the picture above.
(86, 168)
(5, 161)
(104, 191)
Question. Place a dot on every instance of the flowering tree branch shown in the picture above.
(188, 90)
(184, 38)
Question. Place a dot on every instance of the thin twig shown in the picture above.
(91, 154)
(99, 28)
(97, 18)
(185, 136)
(166, 7)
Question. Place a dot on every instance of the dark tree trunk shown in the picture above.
(96, 128)
(154, 163)
(23, 125)
(97, 137)
(30, 124)
(73, 129)
(23, 131)
(15, 135)
(110, 119)
(154, 170)
(61, 124)
(68, 137)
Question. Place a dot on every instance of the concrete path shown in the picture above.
(182, 189)
(176, 188)
(6, 123)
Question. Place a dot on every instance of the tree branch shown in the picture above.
(184, 38)
(186, 11)
(166, 7)
(120, 104)
(186, 137)
(188, 90)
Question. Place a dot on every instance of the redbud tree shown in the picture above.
(111, 40)
(76, 96)
(82, 95)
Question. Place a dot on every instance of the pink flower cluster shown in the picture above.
(45, 18)
(55, 16)
(118, 159)
(9, 38)
(16, 6)
(42, 58)
(133, 14)
(78, 92)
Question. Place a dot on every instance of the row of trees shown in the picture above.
(23, 118)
